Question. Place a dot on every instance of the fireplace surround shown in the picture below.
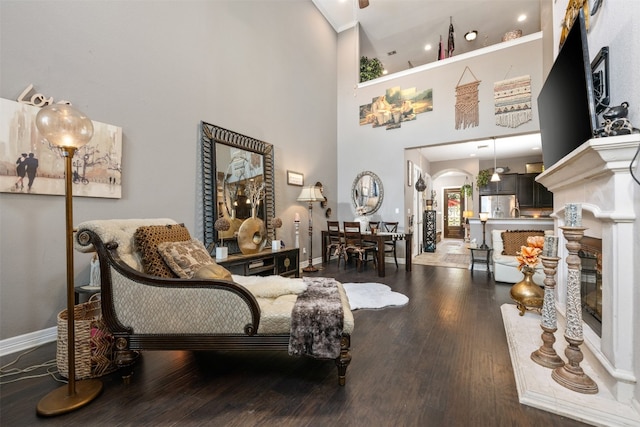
(597, 175)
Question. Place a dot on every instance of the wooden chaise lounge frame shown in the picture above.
(128, 342)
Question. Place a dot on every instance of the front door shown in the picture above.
(453, 207)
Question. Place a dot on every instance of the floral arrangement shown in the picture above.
(528, 255)
(222, 224)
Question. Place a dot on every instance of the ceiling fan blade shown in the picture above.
(363, 3)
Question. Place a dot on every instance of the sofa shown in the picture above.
(161, 290)
(505, 244)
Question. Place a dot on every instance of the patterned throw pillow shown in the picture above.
(513, 240)
(148, 238)
(213, 271)
(185, 258)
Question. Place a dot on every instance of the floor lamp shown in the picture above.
(310, 194)
(67, 129)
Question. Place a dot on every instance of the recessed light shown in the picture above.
(535, 148)
(385, 72)
(471, 35)
(427, 47)
(522, 18)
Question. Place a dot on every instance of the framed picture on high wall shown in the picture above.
(295, 178)
(29, 164)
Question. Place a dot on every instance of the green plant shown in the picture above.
(370, 68)
(467, 190)
(483, 178)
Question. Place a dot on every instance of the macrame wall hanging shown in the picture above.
(467, 103)
(512, 101)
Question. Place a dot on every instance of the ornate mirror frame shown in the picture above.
(356, 191)
(210, 135)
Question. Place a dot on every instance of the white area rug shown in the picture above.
(373, 295)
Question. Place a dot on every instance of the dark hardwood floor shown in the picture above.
(441, 360)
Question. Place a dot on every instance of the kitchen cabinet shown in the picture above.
(506, 186)
(532, 194)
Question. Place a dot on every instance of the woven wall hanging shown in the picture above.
(467, 103)
(512, 101)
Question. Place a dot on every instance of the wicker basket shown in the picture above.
(93, 342)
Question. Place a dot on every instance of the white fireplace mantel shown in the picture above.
(597, 175)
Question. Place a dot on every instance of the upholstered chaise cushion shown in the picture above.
(185, 258)
(513, 240)
(147, 240)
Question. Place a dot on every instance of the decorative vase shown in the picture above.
(526, 293)
(364, 222)
(252, 235)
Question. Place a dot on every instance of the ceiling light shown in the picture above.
(522, 18)
(385, 72)
(495, 177)
(427, 47)
(471, 35)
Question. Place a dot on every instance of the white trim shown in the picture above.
(27, 341)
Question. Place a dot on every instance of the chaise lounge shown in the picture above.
(150, 303)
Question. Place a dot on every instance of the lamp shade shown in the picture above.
(495, 177)
(310, 194)
(467, 214)
(484, 216)
(64, 126)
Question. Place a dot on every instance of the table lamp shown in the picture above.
(484, 216)
(67, 129)
(310, 194)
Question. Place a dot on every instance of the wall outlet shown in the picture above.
(304, 251)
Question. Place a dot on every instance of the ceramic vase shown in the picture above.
(252, 235)
(526, 293)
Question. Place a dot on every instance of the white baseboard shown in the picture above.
(27, 341)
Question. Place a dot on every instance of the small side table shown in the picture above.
(481, 256)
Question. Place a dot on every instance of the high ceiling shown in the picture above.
(407, 26)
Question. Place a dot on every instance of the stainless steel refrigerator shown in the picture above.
(498, 206)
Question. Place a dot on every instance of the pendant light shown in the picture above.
(495, 177)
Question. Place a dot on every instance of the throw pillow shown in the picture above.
(147, 239)
(185, 258)
(213, 271)
(512, 241)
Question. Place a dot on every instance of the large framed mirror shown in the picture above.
(230, 161)
(367, 193)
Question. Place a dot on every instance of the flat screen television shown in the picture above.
(566, 104)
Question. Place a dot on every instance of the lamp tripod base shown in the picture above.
(310, 269)
(59, 401)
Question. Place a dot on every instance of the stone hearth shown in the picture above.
(597, 176)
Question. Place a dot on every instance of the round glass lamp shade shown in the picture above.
(64, 126)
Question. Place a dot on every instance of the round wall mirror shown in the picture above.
(367, 193)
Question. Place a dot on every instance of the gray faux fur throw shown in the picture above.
(317, 320)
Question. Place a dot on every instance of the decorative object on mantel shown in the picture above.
(571, 375)
(546, 355)
(526, 293)
(467, 103)
(275, 243)
(222, 224)
(616, 122)
(310, 194)
(252, 235)
(513, 101)
(67, 129)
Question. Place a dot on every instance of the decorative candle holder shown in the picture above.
(571, 374)
(546, 355)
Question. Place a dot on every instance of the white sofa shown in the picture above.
(505, 267)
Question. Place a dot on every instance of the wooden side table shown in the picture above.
(481, 256)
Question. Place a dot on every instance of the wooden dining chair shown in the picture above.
(373, 225)
(390, 245)
(354, 245)
(335, 245)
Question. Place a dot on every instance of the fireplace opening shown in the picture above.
(591, 282)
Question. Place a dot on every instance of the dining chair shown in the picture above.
(335, 245)
(373, 225)
(355, 245)
(390, 245)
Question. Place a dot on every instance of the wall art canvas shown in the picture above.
(512, 101)
(29, 164)
(395, 107)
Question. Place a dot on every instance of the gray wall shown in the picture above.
(264, 69)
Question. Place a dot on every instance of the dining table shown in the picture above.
(380, 237)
